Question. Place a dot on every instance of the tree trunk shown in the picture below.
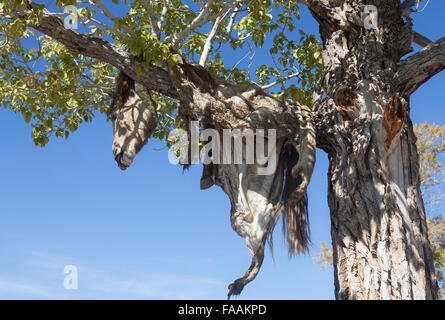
(378, 226)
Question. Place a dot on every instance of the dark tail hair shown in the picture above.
(292, 204)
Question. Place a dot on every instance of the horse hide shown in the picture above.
(257, 201)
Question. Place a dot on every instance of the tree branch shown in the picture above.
(163, 14)
(421, 40)
(152, 16)
(211, 37)
(209, 41)
(201, 19)
(420, 67)
(320, 7)
(153, 78)
(229, 29)
(109, 15)
(279, 81)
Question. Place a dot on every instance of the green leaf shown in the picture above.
(175, 59)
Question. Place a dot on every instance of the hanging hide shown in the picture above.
(257, 201)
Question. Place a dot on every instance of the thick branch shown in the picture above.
(154, 78)
(421, 40)
(420, 67)
(319, 8)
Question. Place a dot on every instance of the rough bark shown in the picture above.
(420, 67)
(378, 227)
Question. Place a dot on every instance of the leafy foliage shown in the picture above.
(56, 90)
(436, 234)
(430, 144)
(324, 257)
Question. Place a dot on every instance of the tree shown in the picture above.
(436, 232)
(358, 86)
(430, 144)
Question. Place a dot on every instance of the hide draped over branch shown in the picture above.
(257, 201)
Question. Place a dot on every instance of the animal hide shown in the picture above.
(257, 201)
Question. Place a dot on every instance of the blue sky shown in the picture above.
(149, 232)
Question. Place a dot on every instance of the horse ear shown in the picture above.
(208, 176)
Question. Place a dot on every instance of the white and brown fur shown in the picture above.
(133, 121)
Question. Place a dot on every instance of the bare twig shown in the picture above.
(163, 14)
(210, 38)
(201, 19)
(280, 81)
(109, 15)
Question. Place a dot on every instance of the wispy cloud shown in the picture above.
(13, 289)
(99, 281)
(156, 285)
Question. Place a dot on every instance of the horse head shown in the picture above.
(133, 122)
